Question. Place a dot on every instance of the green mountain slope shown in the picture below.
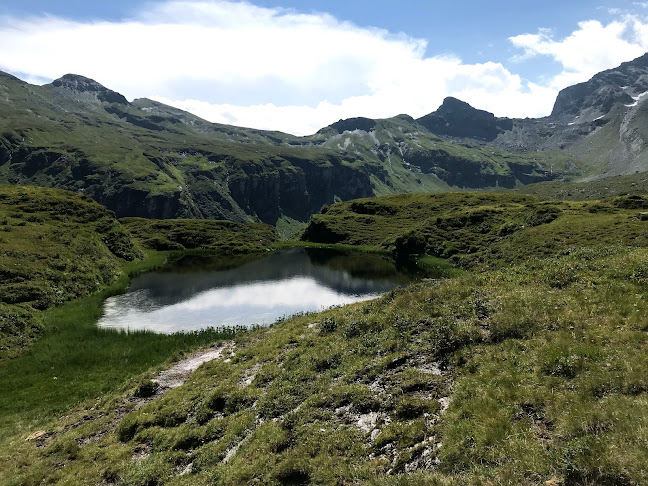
(150, 160)
(531, 370)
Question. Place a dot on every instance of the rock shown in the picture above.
(457, 118)
(37, 435)
(445, 403)
(80, 84)
(555, 482)
(604, 89)
(368, 421)
(351, 124)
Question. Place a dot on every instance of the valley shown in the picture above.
(520, 363)
(489, 275)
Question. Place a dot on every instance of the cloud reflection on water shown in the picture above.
(246, 304)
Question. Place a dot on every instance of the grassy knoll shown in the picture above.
(54, 246)
(596, 189)
(531, 370)
(223, 237)
(478, 230)
(57, 246)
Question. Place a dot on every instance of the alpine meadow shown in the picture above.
(457, 298)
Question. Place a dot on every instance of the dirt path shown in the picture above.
(166, 380)
(179, 372)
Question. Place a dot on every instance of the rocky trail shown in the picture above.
(163, 382)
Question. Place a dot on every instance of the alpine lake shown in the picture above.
(198, 292)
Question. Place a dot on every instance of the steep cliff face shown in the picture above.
(298, 190)
(619, 85)
(146, 159)
(461, 172)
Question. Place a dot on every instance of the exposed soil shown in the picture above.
(166, 380)
(179, 372)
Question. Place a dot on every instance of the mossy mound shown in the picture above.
(479, 230)
(54, 246)
(184, 234)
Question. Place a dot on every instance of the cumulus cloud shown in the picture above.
(237, 63)
(592, 48)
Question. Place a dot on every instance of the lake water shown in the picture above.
(197, 292)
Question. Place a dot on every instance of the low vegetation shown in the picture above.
(56, 247)
(223, 237)
(477, 230)
(636, 184)
(530, 368)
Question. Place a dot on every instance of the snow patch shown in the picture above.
(640, 95)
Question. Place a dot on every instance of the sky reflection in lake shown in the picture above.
(200, 293)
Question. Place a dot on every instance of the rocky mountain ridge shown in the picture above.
(143, 158)
(147, 159)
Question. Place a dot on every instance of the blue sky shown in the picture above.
(298, 65)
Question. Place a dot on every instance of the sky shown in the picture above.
(299, 65)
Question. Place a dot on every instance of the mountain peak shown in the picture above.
(80, 84)
(451, 103)
(351, 124)
(457, 118)
(598, 95)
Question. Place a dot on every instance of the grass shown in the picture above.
(479, 230)
(74, 361)
(529, 369)
(546, 379)
(224, 237)
(636, 184)
(54, 246)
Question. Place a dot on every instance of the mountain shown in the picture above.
(458, 119)
(602, 122)
(146, 159)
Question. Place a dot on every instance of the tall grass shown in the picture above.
(74, 360)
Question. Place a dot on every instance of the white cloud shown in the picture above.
(592, 48)
(236, 63)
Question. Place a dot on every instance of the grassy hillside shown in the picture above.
(221, 236)
(531, 371)
(477, 230)
(54, 246)
(145, 159)
(635, 184)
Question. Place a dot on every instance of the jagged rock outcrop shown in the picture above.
(619, 85)
(457, 118)
(88, 87)
(351, 124)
